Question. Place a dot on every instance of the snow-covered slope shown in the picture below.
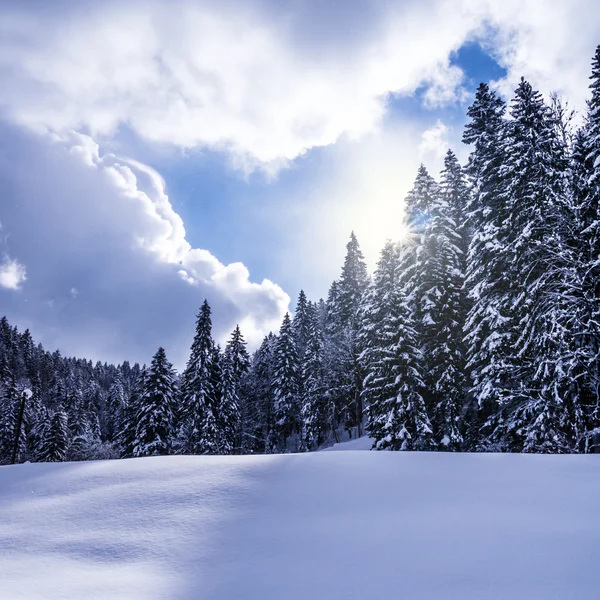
(322, 526)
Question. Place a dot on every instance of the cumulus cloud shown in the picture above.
(12, 274)
(106, 223)
(204, 75)
(222, 76)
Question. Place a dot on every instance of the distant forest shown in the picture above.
(478, 332)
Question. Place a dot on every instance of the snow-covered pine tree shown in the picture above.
(487, 338)
(285, 383)
(197, 386)
(259, 433)
(417, 213)
(228, 410)
(585, 315)
(8, 418)
(154, 431)
(396, 415)
(342, 332)
(443, 305)
(238, 361)
(55, 443)
(301, 324)
(115, 402)
(533, 395)
(312, 375)
(126, 438)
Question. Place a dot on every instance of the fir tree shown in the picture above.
(258, 433)
(154, 431)
(198, 386)
(285, 382)
(397, 415)
(487, 337)
(55, 443)
(237, 360)
(343, 305)
(312, 375)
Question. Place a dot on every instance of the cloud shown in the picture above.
(112, 275)
(434, 141)
(207, 75)
(12, 274)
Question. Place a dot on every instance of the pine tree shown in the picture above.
(444, 306)
(237, 360)
(312, 375)
(115, 403)
(154, 431)
(127, 434)
(343, 305)
(397, 415)
(532, 400)
(585, 309)
(301, 324)
(285, 383)
(55, 443)
(229, 409)
(259, 408)
(487, 337)
(8, 419)
(198, 387)
(419, 203)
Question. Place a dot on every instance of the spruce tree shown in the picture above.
(127, 435)
(154, 430)
(533, 396)
(487, 336)
(237, 361)
(397, 415)
(198, 387)
(285, 383)
(55, 442)
(344, 302)
(585, 310)
(259, 431)
(312, 375)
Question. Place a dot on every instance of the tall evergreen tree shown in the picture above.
(198, 386)
(532, 400)
(285, 383)
(259, 431)
(55, 442)
(443, 305)
(397, 415)
(487, 337)
(154, 431)
(312, 375)
(344, 302)
(237, 360)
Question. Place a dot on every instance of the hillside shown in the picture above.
(328, 525)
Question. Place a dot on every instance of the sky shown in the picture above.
(154, 154)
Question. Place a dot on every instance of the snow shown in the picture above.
(362, 443)
(325, 525)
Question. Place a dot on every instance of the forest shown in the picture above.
(478, 331)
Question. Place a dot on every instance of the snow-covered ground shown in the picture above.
(321, 526)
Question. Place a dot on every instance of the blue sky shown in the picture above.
(153, 154)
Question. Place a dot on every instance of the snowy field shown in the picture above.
(322, 526)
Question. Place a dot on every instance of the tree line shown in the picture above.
(479, 330)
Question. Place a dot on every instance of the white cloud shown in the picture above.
(223, 76)
(12, 274)
(107, 235)
(205, 75)
(161, 232)
(434, 141)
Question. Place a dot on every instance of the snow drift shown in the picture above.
(327, 526)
